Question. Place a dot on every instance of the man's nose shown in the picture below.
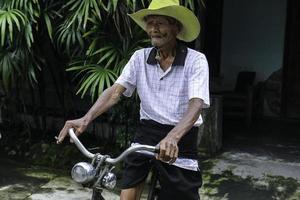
(154, 27)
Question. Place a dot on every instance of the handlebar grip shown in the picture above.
(157, 150)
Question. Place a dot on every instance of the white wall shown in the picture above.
(252, 38)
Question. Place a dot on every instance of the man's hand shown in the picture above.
(78, 124)
(168, 149)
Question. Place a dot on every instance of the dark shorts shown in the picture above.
(176, 183)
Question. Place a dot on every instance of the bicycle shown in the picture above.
(98, 174)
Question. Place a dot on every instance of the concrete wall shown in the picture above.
(252, 38)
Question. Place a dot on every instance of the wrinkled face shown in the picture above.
(161, 30)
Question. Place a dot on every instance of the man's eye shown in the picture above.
(149, 23)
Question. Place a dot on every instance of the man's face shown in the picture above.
(160, 30)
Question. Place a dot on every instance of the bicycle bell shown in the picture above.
(109, 180)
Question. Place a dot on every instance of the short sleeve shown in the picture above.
(128, 77)
(198, 80)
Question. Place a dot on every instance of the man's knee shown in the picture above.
(132, 193)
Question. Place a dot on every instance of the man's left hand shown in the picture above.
(168, 149)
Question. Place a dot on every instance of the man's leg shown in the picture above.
(134, 175)
(177, 183)
(132, 193)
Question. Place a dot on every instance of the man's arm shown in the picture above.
(106, 100)
(168, 146)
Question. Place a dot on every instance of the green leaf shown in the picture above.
(21, 16)
(49, 25)
(3, 27)
(106, 55)
(93, 91)
(87, 83)
(28, 35)
(97, 9)
(101, 85)
(69, 36)
(10, 26)
(86, 15)
(15, 19)
(101, 50)
(76, 4)
(115, 3)
(111, 59)
(79, 38)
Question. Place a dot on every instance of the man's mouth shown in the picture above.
(156, 36)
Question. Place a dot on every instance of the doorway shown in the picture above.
(290, 107)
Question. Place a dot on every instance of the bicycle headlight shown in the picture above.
(83, 172)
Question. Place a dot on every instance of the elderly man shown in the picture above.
(172, 84)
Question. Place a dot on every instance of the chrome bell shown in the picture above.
(109, 180)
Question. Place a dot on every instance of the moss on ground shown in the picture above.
(228, 186)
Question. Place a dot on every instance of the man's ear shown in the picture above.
(178, 28)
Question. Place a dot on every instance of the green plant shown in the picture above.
(102, 65)
(91, 39)
(94, 79)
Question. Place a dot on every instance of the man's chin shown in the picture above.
(156, 44)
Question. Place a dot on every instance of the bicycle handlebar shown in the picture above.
(79, 145)
(84, 151)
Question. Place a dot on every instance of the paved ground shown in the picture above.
(20, 182)
(235, 174)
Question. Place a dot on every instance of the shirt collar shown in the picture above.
(181, 52)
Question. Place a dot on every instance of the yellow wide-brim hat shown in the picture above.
(190, 23)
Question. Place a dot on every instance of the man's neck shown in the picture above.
(166, 55)
(167, 51)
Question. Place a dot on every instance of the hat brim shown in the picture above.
(190, 23)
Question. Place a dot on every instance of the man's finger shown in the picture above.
(78, 131)
(62, 134)
(60, 137)
(162, 151)
(174, 155)
(169, 149)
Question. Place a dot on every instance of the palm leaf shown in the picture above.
(68, 38)
(9, 21)
(3, 29)
(93, 90)
(115, 3)
(94, 77)
(82, 11)
(89, 79)
(10, 26)
(106, 55)
(8, 67)
(48, 25)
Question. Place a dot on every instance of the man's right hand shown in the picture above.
(79, 126)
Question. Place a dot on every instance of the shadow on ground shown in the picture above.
(261, 162)
(226, 185)
(18, 182)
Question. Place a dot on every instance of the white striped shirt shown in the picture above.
(165, 95)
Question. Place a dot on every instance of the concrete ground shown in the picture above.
(20, 182)
(232, 175)
(256, 167)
